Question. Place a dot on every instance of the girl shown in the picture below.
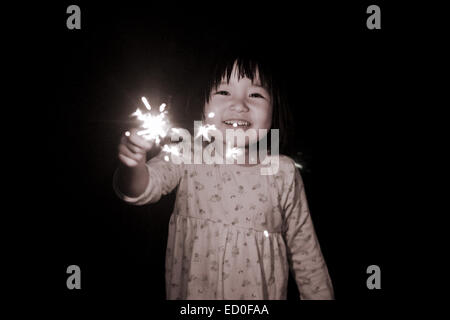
(234, 233)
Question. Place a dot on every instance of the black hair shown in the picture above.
(249, 63)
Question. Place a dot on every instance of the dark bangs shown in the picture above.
(245, 67)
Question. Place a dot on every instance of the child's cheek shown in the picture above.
(268, 122)
(210, 115)
(206, 111)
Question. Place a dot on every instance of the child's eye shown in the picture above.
(223, 93)
(256, 95)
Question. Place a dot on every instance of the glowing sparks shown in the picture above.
(233, 152)
(147, 105)
(298, 165)
(204, 131)
(171, 149)
(155, 126)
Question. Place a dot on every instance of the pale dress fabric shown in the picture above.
(234, 233)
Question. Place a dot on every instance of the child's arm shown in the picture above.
(132, 177)
(305, 257)
(138, 182)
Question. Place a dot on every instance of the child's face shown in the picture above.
(240, 102)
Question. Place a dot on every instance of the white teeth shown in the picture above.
(236, 123)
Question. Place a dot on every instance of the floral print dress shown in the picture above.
(235, 234)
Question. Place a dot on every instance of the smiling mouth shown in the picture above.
(237, 123)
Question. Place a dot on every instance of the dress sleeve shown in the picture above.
(164, 176)
(304, 254)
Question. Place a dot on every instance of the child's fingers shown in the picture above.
(138, 141)
(133, 148)
(124, 150)
(135, 142)
(127, 161)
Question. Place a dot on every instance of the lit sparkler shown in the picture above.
(154, 127)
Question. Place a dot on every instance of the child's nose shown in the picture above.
(239, 106)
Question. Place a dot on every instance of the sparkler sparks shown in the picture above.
(171, 149)
(155, 126)
(204, 131)
(147, 105)
(298, 165)
(233, 152)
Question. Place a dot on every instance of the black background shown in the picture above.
(344, 93)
